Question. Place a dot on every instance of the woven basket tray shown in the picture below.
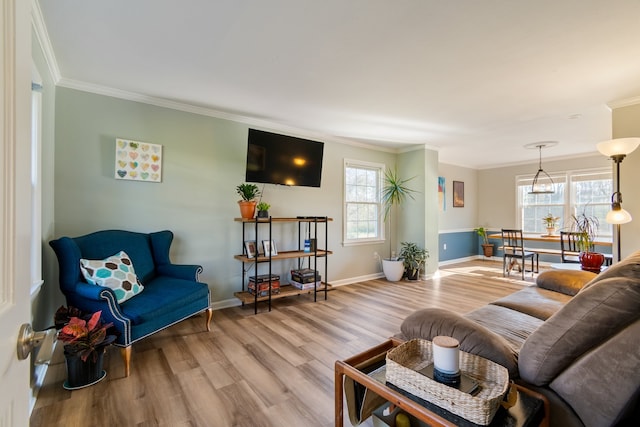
(493, 379)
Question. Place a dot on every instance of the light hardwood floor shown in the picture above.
(270, 369)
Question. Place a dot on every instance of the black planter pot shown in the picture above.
(263, 214)
(83, 373)
(412, 274)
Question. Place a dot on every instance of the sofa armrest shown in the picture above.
(92, 292)
(474, 338)
(180, 271)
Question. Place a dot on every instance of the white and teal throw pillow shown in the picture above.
(115, 272)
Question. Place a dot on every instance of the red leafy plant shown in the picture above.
(83, 334)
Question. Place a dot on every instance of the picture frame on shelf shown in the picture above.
(269, 247)
(251, 248)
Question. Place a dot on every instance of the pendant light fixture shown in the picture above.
(542, 182)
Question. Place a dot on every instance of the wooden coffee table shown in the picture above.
(531, 409)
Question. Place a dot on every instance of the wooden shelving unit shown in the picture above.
(285, 290)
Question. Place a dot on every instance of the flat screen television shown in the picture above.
(282, 159)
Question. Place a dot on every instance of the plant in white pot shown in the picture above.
(394, 193)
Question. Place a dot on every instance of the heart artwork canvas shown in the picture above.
(139, 161)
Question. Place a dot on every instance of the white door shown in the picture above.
(15, 208)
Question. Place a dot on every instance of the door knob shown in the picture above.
(28, 339)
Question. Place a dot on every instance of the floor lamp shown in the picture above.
(617, 150)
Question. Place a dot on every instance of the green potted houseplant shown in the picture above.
(394, 193)
(587, 229)
(487, 248)
(263, 209)
(550, 223)
(247, 204)
(414, 259)
(85, 337)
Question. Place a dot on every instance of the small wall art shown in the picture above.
(441, 194)
(458, 194)
(138, 161)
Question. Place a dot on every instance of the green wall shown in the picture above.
(203, 162)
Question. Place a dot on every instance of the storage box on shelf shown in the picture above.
(267, 288)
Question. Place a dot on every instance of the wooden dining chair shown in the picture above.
(513, 251)
(569, 250)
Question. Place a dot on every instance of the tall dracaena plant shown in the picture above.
(394, 193)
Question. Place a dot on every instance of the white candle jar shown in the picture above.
(446, 354)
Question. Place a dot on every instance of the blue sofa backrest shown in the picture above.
(102, 244)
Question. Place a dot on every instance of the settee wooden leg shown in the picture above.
(126, 358)
(209, 317)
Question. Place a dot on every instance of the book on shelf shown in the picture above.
(263, 288)
(305, 279)
(304, 272)
(263, 278)
(310, 285)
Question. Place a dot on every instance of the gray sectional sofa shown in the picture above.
(574, 337)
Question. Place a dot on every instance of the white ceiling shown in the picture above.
(477, 80)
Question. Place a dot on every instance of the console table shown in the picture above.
(531, 409)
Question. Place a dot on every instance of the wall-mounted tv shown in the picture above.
(281, 159)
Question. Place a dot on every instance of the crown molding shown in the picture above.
(624, 102)
(42, 36)
(210, 112)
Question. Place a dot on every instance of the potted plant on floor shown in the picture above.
(487, 248)
(587, 227)
(248, 192)
(414, 259)
(85, 338)
(394, 193)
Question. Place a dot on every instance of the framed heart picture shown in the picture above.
(138, 161)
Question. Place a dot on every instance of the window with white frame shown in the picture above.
(362, 203)
(576, 192)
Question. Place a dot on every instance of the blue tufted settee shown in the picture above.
(171, 292)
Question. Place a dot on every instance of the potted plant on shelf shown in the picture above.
(413, 258)
(394, 193)
(85, 338)
(263, 209)
(587, 229)
(487, 248)
(248, 192)
(550, 223)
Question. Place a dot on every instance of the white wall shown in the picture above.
(460, 218)
(497, 187)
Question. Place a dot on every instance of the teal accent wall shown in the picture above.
(461, 244)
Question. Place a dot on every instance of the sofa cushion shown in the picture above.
(511, 325)
(608, 375)
(476, 339)
(115, 272)
(591, 317)
(568, 282)
(163, 295)
(537, 302)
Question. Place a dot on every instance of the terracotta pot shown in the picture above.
(591, 261)
(487, 249)
(247, 208)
